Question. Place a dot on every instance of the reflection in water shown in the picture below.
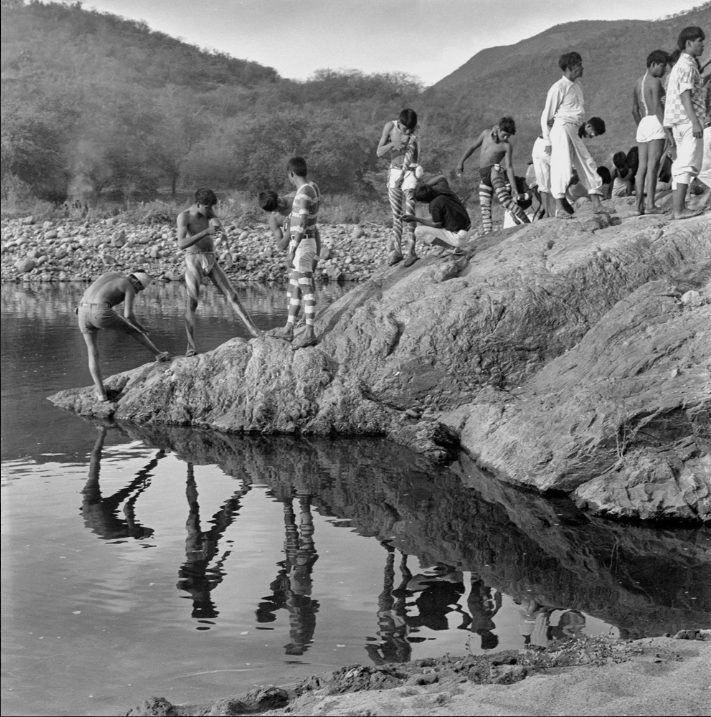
(101, 514)
(292, 588)
(201, 547)
(553, 561)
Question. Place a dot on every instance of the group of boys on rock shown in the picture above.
(672, 117)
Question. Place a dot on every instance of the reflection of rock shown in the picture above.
(482, 347)
(644, 581)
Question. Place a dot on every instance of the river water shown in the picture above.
(194, 565)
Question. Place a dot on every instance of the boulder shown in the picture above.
(25, 265)
(550, 355)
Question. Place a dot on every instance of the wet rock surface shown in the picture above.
(564, 358)
(453, 685)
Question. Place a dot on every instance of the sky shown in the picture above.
(426, 38)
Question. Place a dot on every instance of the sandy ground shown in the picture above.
(653, 676)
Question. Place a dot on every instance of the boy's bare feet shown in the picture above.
(394, 259)
(308, 338)
(685, 214)
(101, 397)
(285, 332)
(190, 352)
(411, 259)
(654, 210)
(562, 214)
(163, 356)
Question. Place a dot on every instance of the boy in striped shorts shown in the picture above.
(304, 249)
(495, 166)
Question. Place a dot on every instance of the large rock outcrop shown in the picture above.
(562, 354)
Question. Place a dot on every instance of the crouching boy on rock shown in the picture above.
(449, 221)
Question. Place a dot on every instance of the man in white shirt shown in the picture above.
(685, 114)
(565, 109)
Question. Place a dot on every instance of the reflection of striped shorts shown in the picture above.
(98, 316)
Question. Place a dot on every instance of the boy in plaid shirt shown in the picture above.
(685, 114)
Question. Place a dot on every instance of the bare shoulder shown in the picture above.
(184, 216)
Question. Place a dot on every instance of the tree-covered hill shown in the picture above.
(96, 105)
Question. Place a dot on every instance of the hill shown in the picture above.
(514, 79)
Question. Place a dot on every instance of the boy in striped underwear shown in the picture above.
(399, 142)
(196, 228)
(304, 249)
(495, 162)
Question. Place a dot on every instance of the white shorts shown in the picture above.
(542, 164)
(428, 234)
(409, 182)
(649, 129)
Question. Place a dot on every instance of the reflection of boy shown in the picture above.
(565, 106)
(196, 228)
(648, 113)
(449, 221)
(495, 162)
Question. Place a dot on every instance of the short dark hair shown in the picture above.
(206, 197)
(569, 60)
(689, 34)
(507, 124)
(604, 174)
(297, 165)
(269, 200)
(658, 57)
(619, 159)
(598, 124)
(424, 193)
(408, 118)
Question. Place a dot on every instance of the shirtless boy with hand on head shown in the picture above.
(495, 159)
(95, 313)
(197, 228)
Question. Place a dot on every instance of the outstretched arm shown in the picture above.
(636, 113)
(470, 152)
(508, 163)
(128, 308)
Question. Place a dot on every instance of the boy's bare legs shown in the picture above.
(92, 346)
(145, 341)
(395, 197)
(193, 280)
(220, 280)
(680, 208)
(640, 182)
(596, 200)
(306, 285)
(656, 151)
(294, 294)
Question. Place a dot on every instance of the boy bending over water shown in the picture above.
(95, 313)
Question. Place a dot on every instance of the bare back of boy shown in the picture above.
(110, 289)
(649, 91)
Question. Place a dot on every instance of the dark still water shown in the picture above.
(195, 565)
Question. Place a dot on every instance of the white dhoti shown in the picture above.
(649, 129)
(568, 150)
(542, 164)
(428, 234)
(705, 173)
(689, 154)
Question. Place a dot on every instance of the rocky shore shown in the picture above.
(77, 250)
(564, 356)
(593, 676)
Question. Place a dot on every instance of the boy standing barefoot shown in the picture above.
(400, 144)
(648, 113)
(95, 313)
(495, 159)
(304, 249)
(196, 228)
(684, 112)
(565, 106)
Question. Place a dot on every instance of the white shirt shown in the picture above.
(564, 103)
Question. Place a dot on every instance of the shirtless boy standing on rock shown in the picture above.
(95, 312)
(495, 164)
(196, 228)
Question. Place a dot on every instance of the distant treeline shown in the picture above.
(94, 105)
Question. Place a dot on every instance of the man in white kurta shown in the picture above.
(562, 116)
